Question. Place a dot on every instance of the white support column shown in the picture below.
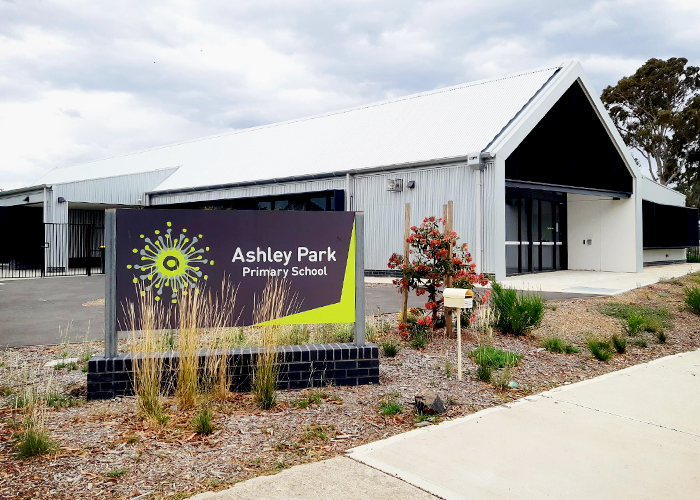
(499, 209)
(638, 223)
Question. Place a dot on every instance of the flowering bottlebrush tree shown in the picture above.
(430, 261)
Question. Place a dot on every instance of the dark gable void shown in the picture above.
(570, 147)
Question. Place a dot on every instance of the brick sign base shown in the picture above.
(300, 366)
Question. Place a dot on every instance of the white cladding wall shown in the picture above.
(36, 196)
(385, 210)
(609, 225)
(659, 255)
(117, 190)
(657, 193)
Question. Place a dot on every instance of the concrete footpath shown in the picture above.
(631, 434)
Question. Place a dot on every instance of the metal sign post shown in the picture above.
(111, 336)
(359, 279)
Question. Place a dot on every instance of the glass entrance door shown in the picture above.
(535, 231)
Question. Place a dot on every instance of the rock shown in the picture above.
(429, 402)
(425, 423)
(62, 361)
(78, 391)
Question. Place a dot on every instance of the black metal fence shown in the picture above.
(53, 249)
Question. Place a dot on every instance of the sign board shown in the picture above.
(164, 252)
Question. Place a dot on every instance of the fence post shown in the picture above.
(111, 336)
(359, 279)
(88, 246)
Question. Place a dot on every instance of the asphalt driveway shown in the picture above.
(42, 311)
(39, 311)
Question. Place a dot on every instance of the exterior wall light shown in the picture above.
(395, 185)
(411, 184)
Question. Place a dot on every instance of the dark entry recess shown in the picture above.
(535, 231)
(36, 249)
(22, 251)
(668, 226)
(324, 201)
(570, 148)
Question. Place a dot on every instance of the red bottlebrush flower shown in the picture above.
(420, 321)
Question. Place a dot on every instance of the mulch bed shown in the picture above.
(171, 461)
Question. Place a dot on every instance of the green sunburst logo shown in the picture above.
(176, 263)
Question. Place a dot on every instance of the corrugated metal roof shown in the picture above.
(435, 125)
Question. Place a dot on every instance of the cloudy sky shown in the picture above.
(83, 80)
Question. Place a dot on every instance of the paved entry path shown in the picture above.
(632, 434)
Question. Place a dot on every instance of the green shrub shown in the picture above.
(556, 344)
(389, 406)
(600, 349)
(57, 401)
(641, 342)
(620, 343)
(238, 338)
(21, 400)
(483, 372)
(264, 385)
(204, 422)
(295, 335)
(635, 324)
(390, 348)
(516, 313)
(35, 441)
(501, 379)
(661, 337)
(638, 318)
(417, 328)
(692, 255)
(420, 339)
(300, 403)
(317, 432)
(370, 330)
(114, 473)
(692, 299)
(335, 332)
(494, 357)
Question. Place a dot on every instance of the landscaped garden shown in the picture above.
(75, 448)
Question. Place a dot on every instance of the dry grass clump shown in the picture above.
(274, 303)
(203, 321)
(33, 440)
(146, 319)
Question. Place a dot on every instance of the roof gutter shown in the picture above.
(13, 192)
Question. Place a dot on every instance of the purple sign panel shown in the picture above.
(166, 252)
